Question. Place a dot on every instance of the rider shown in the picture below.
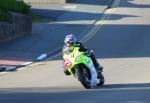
(70, 42)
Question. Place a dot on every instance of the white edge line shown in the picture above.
(42, 56)
(1, 73)
(27, 63)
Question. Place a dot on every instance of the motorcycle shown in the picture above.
(81, 66)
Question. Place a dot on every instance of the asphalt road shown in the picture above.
(121, 46)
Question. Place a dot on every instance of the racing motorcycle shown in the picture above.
(81, 66)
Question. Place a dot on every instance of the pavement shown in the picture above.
(76, 17)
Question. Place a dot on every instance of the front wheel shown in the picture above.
(84, 76)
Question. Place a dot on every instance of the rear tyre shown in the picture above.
(84, 76)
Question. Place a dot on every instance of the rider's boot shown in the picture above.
(66, 72)
(98, 67)
(99, 70)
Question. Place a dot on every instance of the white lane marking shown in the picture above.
(42, 56)
(27, 63)
(70, 7)
(1, 73)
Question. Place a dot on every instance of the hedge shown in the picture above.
(2, 15)
(12, 5)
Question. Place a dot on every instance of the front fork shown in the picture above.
(94, 81)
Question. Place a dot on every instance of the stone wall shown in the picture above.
(18, 25)
(6, 31)
(45, 1)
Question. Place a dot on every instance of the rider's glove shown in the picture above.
(88, 53)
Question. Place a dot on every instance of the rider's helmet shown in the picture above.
(70, 41)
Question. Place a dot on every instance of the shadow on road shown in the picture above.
(89, 2)
(127, 86)
(124, 3)
(71, 15)
(116, 93)
(115, 41)
(121, 41)
(132, 4)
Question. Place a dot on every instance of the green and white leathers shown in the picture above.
(81, 66)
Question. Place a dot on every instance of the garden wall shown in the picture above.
(18, 25)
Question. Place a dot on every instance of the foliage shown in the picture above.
(2, 15)
(14, 6)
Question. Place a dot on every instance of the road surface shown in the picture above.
(121, 46)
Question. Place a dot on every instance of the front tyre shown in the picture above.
(84, 76)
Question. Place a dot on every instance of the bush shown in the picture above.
(12, 5)
(2, 15)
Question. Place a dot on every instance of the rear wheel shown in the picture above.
(84, 76)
